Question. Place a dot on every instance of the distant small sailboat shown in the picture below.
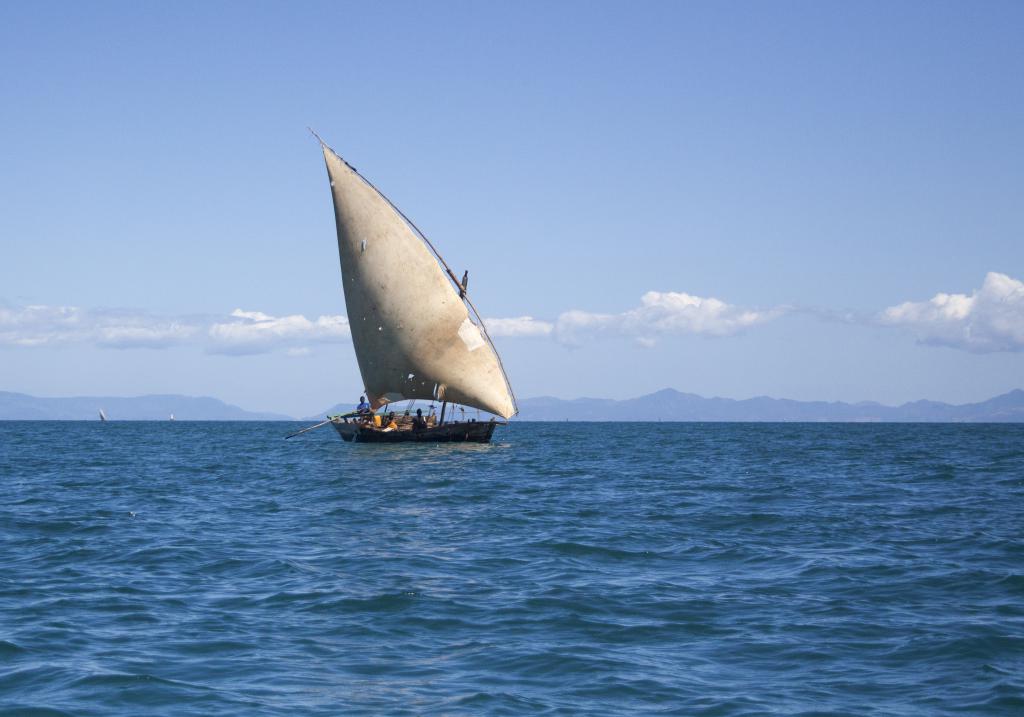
(415, 331)
(172, 417)
(103, 416)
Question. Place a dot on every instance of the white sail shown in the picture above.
(103, 416)
(412, 333)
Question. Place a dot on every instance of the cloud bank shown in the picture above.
(663, 313)
(245, 332)
(990, 319)
(60, 325)
(253, 332)
(241, 332)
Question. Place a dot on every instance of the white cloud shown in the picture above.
(519, 326)
(990, 319)
(254, 315)
(243, 332)
(662, 313)
(249, 332)
(38, 325)
(59, 325)
(157, 336)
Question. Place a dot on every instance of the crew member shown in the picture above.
(418, 424)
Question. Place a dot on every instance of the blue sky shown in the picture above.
(825, 171)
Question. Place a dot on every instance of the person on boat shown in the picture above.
(363, 410)
(418, 424)
(392, 424)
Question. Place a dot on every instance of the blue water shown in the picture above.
(214, 568)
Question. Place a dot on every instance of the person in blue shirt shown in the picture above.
(363, 406)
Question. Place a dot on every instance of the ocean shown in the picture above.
(567, 568)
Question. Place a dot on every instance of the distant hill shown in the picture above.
(671, 405)
(664, 405)
(19, 406)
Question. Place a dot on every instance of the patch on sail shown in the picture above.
(393, 397)
(470, 335)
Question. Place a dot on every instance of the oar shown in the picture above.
(322, 423)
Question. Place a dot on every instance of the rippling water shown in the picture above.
(214, 568)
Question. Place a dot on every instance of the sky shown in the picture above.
(808, 200)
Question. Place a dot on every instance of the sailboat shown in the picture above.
(103, 416)
(414, 328)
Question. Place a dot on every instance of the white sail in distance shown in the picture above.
(412, 333)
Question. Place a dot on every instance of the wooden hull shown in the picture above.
(474, 432)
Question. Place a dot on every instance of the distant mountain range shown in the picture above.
(665, 405)
(19, 406)
(671, 405)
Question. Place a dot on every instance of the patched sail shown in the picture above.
(413, 335)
